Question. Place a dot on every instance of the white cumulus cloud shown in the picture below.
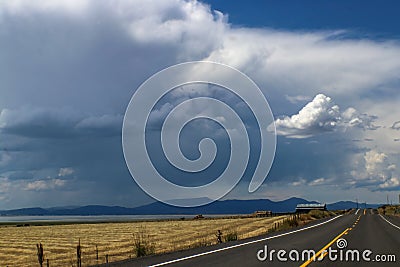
(319, 116)
(392, 183)
(374, 169)
(375, 162)
(40, 185)
(353, 118)
(65, 172)
(318, 181)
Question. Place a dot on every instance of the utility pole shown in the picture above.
(387, 199)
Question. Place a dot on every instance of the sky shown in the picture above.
(68, 69)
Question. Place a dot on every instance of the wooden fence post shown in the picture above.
(40, 254)
(79, 254)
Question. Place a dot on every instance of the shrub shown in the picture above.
(142, 245)
(318, 214)
(293, 222)
(231, 236)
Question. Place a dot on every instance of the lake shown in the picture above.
(98, 218)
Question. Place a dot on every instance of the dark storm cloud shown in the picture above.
(57, 123)
(69, 68)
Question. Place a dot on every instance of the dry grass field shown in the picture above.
(18, 244)
(390, 210)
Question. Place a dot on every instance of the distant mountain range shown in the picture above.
(158, 208)
(342, 205)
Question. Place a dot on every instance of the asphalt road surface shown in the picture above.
(359, 239)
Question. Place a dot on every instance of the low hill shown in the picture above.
(232, 206)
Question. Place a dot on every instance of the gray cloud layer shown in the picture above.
(69, 68)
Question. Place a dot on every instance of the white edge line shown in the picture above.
(392, 224)
(241, 244)
(357, 211)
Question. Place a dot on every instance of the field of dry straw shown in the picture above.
(18, 244)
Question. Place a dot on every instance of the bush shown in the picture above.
(293, 222)
(231, 236)
(142, 246)
(320, 214)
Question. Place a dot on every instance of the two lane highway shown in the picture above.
(375, 236)
(354, 232)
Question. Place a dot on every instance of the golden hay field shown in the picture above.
(18, 244)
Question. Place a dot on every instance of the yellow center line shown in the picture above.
(323, 250)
